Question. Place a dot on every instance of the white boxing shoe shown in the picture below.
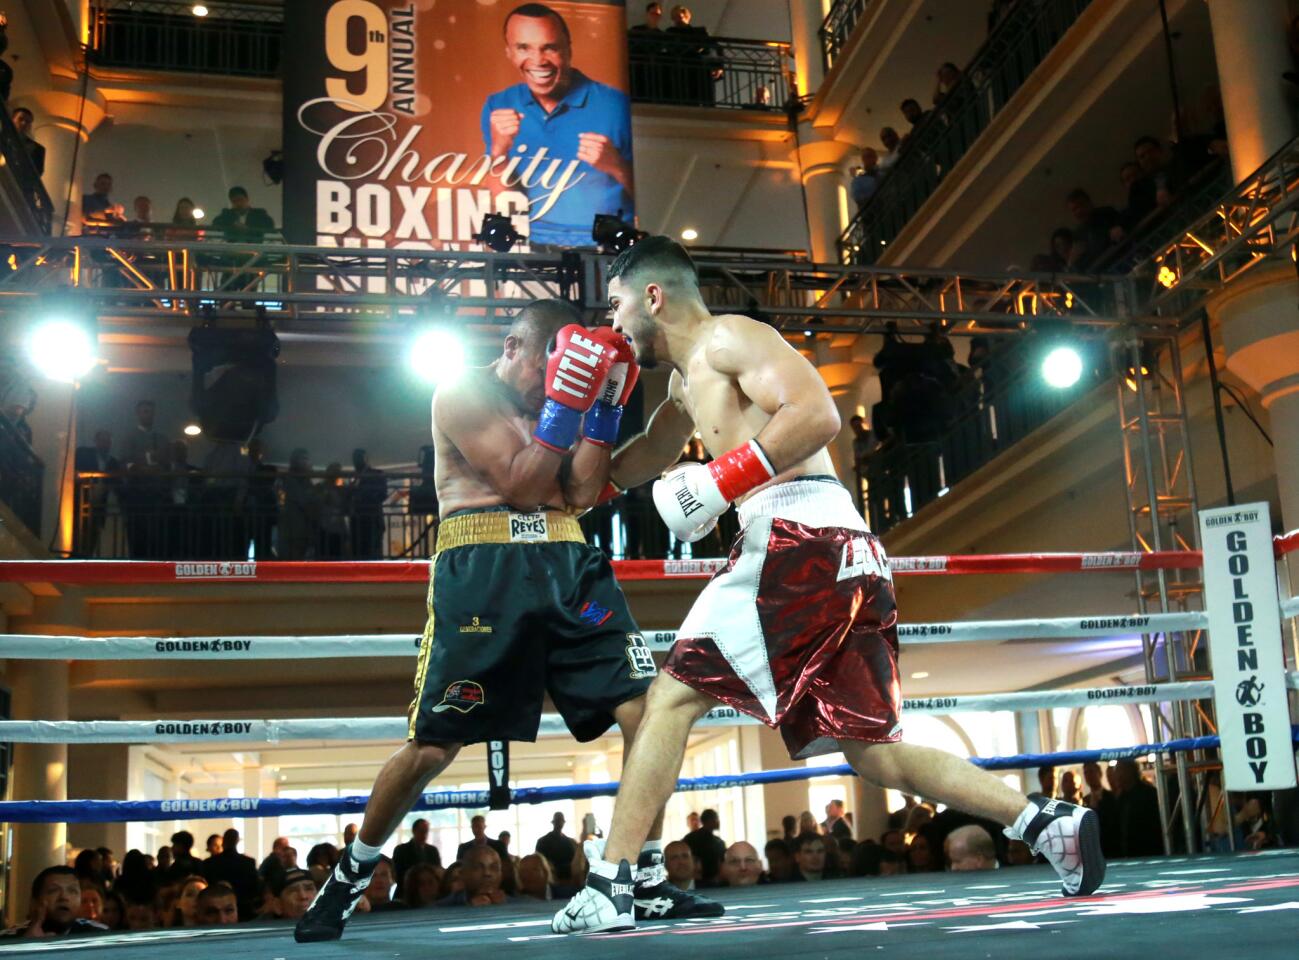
(1069, 837)
(606, 903)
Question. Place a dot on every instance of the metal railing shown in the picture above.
(1012, 52)
(20, 166)
(234, 39)
(163, 515)
(991, 415)
(709, 71)
(838, 27)
(130, 280)
(21, 476)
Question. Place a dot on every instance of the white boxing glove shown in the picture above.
(689, 501)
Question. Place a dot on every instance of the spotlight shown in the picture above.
(192, 430)
(199, 10)
(199, 213)
(62, 349)
(1167, 278)
(613, 235)
(498, 233)
(1062, 368)
(689, 234)
(437, 355)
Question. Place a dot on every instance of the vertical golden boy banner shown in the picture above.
(406, 121)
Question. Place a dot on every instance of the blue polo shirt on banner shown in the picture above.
(588, 107)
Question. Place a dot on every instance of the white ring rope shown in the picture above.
(39, 647)
(395, 728)
(1290, 608)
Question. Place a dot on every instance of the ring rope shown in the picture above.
(118, 811)
(45, 647)
(552, 724)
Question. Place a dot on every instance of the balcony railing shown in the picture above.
(21, 476)
(709, 71)
(234, 39)
(838, 27)
(19, 163)
(1020, 42)
(169, 515)
(992, 415)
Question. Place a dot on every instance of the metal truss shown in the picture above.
(132, 282)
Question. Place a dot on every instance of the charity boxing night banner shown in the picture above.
(406, 121)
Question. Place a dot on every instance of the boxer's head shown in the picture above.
(522, 365)
(538, 44)
(653, 289)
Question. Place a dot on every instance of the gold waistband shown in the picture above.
(549, 526)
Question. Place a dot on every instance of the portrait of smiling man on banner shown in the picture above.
(558, 109)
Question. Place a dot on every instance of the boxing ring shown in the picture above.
(1199, 903)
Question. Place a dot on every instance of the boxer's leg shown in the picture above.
(629, 716)
(935, 775)
(399, 784)
(653, 764)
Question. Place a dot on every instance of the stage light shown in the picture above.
(437, 355)
(192, 430)
(199, 10)
(689, 234)
(199, 213)
(613, 235)
(1062, 368)
(1167, 278)
(498, 233)
(62, 349)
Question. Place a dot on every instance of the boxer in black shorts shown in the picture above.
(519, 604)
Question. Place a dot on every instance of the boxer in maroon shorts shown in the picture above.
(799, 629)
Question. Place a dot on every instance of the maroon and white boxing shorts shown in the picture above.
(799, 629)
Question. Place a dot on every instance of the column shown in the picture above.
(1249, 41)
(1260, 330)
(99, 771)
(60, 120)
(40, 692)
(805, 19)
(50, 424)
(822, 161)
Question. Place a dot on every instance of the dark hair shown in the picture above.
(904, 103)
(18, 110)
(38, 884)
(116, 897)
(210, 838)
(183, 839)
(323, 854)
(536, 324)
(82, 863)
(805, 839)
(776, 844)
(1078, 193)
(537, 11)
(214, 890)
(951, 65)
(1062, 232)
(1142, 141)
(238, 192)
(653, 254)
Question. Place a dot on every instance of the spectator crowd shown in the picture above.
(173, 509)
(177, 888)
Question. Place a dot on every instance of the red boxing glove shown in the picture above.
(575, 373)
(577, 368)
(624, 373)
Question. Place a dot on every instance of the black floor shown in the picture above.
(1245, 905)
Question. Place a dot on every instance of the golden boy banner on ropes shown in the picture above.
(406, 121)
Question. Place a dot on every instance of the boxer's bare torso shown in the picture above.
(481, 405)
(728, 388)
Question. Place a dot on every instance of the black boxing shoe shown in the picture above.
(1069, 837)
(342, 891)
(605, 903)
(657, 899)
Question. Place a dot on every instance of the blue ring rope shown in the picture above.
(124, 811)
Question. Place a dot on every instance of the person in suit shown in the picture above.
(240, 871)
(94, 492)
(241, 221)
(835, 825)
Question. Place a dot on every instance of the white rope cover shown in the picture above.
(1290, 608)
(39, 647)
(394, 728)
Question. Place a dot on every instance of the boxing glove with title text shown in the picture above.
(576, 370)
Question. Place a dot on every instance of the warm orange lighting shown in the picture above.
(1167, 278)
(1131, 377)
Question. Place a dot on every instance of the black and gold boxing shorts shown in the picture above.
(519, 605)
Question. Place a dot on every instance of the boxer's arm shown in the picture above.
(778, 379)
(585, 475)
(522, 471)
(644, 457)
